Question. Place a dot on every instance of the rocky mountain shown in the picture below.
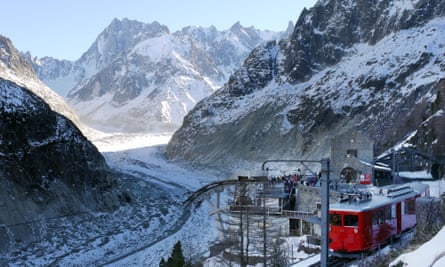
(48, 169)
(139, 77)
(61, 202)
(16, 68)
(115, 40)
(374, 66)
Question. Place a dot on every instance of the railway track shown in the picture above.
(335, 262)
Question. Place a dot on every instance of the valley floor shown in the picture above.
(145, 230)
(142, 156)
(139, 233)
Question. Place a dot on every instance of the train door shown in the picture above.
(367, 229)
(393, 215)
(399, 217)
(336, 231)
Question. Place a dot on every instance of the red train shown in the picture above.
(363, 220)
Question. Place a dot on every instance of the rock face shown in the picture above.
(48, 168)
(16, 68)
(324, 34)
(373, 66)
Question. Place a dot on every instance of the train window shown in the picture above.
(388, 213)
(403, 207)
(393, 211)
(410, 206)
(382, 216)
(375, 218)
(335, 219)
(351, 220)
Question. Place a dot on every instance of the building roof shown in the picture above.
(379, 196)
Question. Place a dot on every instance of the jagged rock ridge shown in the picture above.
(373, 66)
(138, 77)
(15, 68)
(115, 40)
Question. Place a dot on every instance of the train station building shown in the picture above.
(352, 156)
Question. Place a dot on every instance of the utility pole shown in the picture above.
(394, 166)
(264, 227)
(324, 212)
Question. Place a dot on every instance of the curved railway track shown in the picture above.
(214, 185)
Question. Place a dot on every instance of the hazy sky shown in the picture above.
(66, 29)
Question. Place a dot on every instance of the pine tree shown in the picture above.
(177, 258)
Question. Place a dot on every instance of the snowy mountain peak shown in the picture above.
(236, 27)
(112, 42)
(121, 35)
(136, 73)
(12, 64)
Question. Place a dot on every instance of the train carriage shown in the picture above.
(365, 219)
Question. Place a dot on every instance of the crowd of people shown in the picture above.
(290, 180)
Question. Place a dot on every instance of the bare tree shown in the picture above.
(237, 230)
(250, 233)
(430, 218)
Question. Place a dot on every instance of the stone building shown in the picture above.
(352, 156)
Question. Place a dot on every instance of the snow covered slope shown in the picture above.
(377, 67)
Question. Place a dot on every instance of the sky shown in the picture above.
(66, 29)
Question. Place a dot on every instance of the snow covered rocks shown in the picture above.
(48, 168)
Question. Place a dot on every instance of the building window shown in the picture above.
(351, 153)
